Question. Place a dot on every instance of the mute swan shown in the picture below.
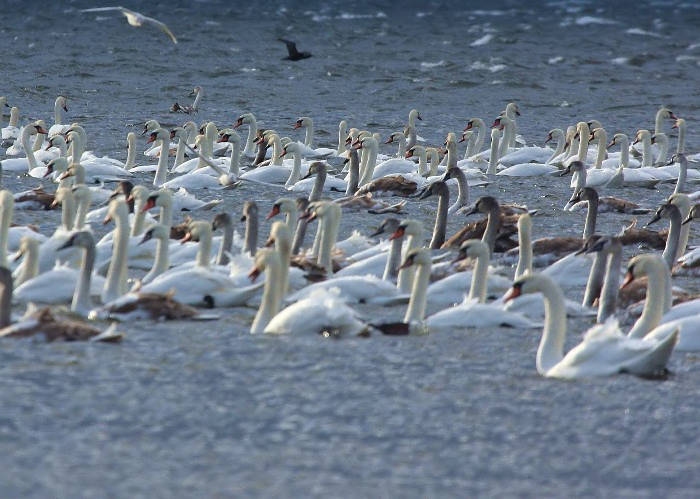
(199, 285)
(534, 166)
(248, 119)
(309, 151)
(473, 311)
(440, 190)
(11, 131)
(58, 126)
(194, 108)
(23, 165)
(604, 351)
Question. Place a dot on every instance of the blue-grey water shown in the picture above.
(208, 410)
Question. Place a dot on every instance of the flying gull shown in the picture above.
(136, 19)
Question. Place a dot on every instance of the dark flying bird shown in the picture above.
(136, 19)
(294, 54)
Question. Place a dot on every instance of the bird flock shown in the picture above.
(489, 274)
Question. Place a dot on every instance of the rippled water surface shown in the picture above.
(207, 410)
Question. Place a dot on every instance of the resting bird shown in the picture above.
(136, 19)
(294, 54)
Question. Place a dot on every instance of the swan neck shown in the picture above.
(342, 135)
(493, 159)
(81, 212)
(418, 299)
(646, 150)
(204, 253)
(180, 153)
(5, 297)
(7, 206)
(81, 297)
(162, 168)
(681, 139)
(584, 136)
(251, 234)
(557, 150)
(663, 150)
(271, 298)
(682, 177)
(369, 167)
(524, 248)
(130, 156)
(670, 253)
(551, 349)
(505, 139)
(493, 223)
(234, 168)
(309, 137)
(393, 260)
(423, 162)
(161, 262)
(250, 141)
(68, 212)
(655, 301)
(405, 278)
(284, 248)
(354, 173)
(591, 218)
(116, 283)
(480, 137)
(596, 279)
(28, 148)
(328, 238)
(296, 170)
(317, 188)
(478, 285)
(222, 257)
(608, 296)
(276, 151)
(440, 228)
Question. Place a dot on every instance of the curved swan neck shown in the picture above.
(131, 153)
(508, 135)
(7, 204)
(551, 348)
(296, 169)
(670, 254)
(584, 137)
(162, 260)
(272, 294)
(418, 300)
(480, 135)
(561, 142)
(658, 277)
(662, 140)
(493, 159)
(608, 295)
(24, 139)
(162, 168)
(5, 297)
(602, 152)
(524, 246)
(234, 168)
(462, 191)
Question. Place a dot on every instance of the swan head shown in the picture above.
(574, 166)
(365, 143)
(642, 136)
(189, 126)
(396, 137)
(62, 103)
(157, 231)
(694, 214)
(485, 204)
(303, 122)
(291, 147)
(117, 210)
(682, 201)
(196, 231)
(316, 168)
(660, 137)
(466, 136)
(584, 194)
(263, 259)
(39, 127)
(221, 220)
(388, 226)
(666, 114)
(323, 209)
(413, 115)
(161, 198)
(619, 138)
(82, 239)
(474, 122)
(244, 119)
(178, 133)
(530, 283)
(418, 151)
(73, 170)
(159, 134)
(124, 187)
(600, 135)
(679, 124)
(56, 165)
(438, 188)
(230, 136)
(195, 91)
(82, 193)
(250, 211)
(282, 205)
(555, 134)
(278, 232)
(416, 256)
(3, 102)
(14, 113)
(667, 211)
(149, 126)
(407, 228)
(138, 194)
(211, 131)
(472, 248)
(642, 265)
(511, 110)
(452, 172)
(130, 139)
(27, 245)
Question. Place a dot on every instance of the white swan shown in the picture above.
(604, 351)
(248, 119)
(58, 126)
(11, 131)
(23, 165)
(308, 150)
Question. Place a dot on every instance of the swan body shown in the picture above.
(352, 289)
(604, 351)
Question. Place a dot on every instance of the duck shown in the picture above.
(604, 351)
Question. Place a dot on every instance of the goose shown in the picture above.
(248, 119)
(11, 131)
(58, 127)
(604, 351)
(23, 165)
(199, 285)
(473, 311)
(308, 150)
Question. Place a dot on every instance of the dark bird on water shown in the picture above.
(294, 54)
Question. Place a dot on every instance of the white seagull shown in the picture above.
(136, 19)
